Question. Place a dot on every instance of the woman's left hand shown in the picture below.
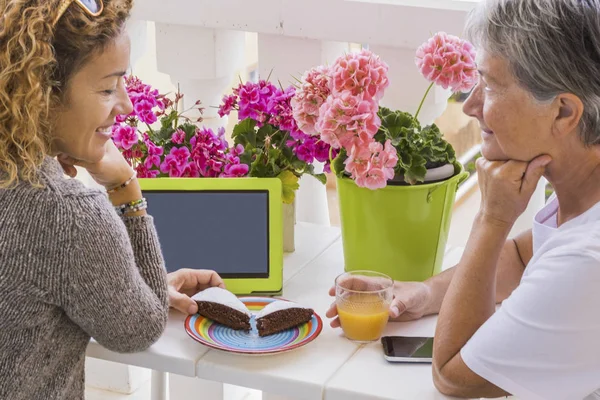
(507, 186)
(185, 283)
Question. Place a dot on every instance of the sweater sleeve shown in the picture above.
(115, 281)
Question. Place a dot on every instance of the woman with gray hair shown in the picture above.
(538, 104)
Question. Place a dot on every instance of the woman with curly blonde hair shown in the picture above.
(75, 263)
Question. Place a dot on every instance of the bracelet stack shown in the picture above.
(132, 207)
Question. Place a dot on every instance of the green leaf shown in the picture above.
(338, 166)
(416, 172)
(244, 133)
(289, 185)
(265, 131)
(417, 147)
(321, 178)
(189, 129)
(168, 119)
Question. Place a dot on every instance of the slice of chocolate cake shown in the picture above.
(223, 307)
(281, 315)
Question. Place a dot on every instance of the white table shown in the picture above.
(331, 367)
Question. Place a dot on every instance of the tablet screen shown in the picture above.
(226, 231)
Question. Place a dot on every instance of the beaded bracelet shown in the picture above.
(132, 207)
(122, 185)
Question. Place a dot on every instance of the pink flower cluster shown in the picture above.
(148, 104)
(373, 165)
(448, 61)
(313, 92)
(340, 105)
(267, 104)
(205, 154)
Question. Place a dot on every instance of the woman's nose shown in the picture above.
(473, 106)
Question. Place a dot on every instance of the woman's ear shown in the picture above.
(570, 110)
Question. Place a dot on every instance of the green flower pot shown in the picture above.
(400, 231)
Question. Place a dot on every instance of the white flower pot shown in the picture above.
(289, 222)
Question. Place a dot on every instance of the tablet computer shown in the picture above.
(230, 225)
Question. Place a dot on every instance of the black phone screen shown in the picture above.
(407, 347)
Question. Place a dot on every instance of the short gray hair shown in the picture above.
(552, 47)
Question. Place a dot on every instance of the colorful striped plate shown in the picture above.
(217, 336)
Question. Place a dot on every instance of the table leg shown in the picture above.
(186, 388)
(159, 386)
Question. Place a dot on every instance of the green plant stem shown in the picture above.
(423, 101)
(150, 128)
(331, 160)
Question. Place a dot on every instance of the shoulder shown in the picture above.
(59, 204)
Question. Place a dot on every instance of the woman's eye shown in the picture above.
(108, 92)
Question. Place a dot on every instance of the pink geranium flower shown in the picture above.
(171, 166)
(228, 104)
(362, 74)
(235, 170)
(178, 136)
(143, 172)
(316, 86)
(190, 170)
(344, 118)
(124, 136)
(374, 178)
(448, 61)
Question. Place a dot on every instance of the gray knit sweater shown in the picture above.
(71, 269)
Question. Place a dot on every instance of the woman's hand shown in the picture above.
(111, 171)
(507, 186)
(185, 283)
(411, 301)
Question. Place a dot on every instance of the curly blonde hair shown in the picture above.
(36, 62)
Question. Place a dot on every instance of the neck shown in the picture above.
(575, 177)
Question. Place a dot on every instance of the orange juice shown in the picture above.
(362, 316)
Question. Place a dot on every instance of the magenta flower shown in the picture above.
(190, 170)
(124, 136)
(235, 170)
(143, 110)
(448, 61)
(321, 150)
(178, 136)
(228, 104)
(171, 166)
(362, 74)
(181, 154)
(253, 99)
(305, 152)
(143, 172)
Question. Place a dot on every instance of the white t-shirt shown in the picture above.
(544, 341)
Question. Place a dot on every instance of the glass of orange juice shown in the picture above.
(363, 300)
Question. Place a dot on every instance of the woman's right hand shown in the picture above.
(111, 171)
(411, 301)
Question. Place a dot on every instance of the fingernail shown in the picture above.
(395, 311)
(192, 310)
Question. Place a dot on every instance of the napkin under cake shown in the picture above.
(224, 307)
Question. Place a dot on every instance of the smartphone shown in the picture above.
(407, 349)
